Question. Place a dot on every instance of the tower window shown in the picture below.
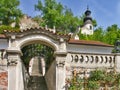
(90, 27)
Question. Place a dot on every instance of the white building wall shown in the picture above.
(89, 49)
(87, 29)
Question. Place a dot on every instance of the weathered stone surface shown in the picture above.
(37, 81)
(69, 56)
(3, 80)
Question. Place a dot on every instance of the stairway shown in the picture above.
(37, 81)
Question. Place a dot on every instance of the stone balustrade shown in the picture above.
(91, 60)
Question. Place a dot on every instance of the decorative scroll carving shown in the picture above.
(12, 62)
(60, 63)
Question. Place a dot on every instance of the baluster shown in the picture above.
(102, 59)
(72, 58)
(81, 59)
(76, 58)
(86, 59)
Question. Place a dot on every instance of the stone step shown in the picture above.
(37, 83)
(36, 68)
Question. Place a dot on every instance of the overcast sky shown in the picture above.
(105, 12)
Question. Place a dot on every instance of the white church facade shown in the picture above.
(87, 28)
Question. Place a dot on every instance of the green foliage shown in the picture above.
(76, 83)
(94, 22)
(4, 27)
(39, 20)
(96, 79)
(110, 35)
(102, 77)
(93, 85)
(96, 75)
(33, 50)
(55, 14)
(9, 11)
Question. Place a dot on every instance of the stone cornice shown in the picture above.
(60, 53)
(39, 30)
(111, 54)
(11, 51)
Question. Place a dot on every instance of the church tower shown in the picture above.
(87, 27)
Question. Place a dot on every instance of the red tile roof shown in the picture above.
(2, 36)
(87, 42)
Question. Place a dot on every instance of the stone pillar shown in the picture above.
(117, 62)
(60, 71)
(14, 70)
(60, 65)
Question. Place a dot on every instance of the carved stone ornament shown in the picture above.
(60, 63)
(12, 62)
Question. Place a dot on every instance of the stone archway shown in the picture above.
(19, 39)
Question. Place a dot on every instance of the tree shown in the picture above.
(55, 14)
(39, 20)
(112, 34)
(98, 34)
(9, 11)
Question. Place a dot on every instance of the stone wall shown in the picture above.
(50, 77)
(89, 49)
(3, 71)
(4, 80)
(81, 62)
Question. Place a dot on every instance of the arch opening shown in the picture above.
(37, 54)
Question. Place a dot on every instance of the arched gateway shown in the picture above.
(55, 76)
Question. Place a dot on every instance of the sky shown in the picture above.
(105, 12)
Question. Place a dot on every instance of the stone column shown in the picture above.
(14, 70)
(60, 65)
(117, 62)
(60, 71)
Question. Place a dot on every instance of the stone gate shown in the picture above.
(70, 56)
(17, 40)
